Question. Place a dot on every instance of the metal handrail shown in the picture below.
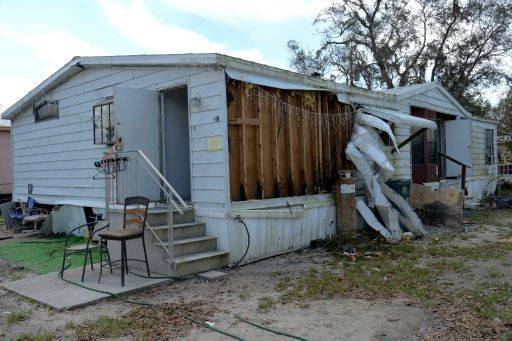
(463, 172)
(183, 209)
(167, 189)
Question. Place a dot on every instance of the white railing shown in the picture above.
(135, 174)
(505, 169)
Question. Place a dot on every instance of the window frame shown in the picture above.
(36, 108)
(110, 105)
(489, 144)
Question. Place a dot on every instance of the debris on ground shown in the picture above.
(161, 322)
(440, 207)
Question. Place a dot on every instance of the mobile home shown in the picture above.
(236, 149)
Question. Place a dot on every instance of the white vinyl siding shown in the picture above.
(435, 100)
(57, 156)
(480, 167)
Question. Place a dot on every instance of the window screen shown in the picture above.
(104, 123)
(46, 110)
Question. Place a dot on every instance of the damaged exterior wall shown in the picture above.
(277, 151)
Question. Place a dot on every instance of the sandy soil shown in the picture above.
(238, 293)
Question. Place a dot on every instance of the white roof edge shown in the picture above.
(77, 64)
(433, 85)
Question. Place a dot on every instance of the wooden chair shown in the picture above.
(133, 228)
(93, 227)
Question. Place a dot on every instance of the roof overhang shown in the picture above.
(258, 73)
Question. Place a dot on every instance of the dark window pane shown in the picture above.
(418, 159)
(432, 159)
(103, 124)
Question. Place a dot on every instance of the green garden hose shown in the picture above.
(270, 329)
(147, 304)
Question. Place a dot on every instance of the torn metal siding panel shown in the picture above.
(415, 226)
(370, 219)
(377, 123)
(366, 151)
(365, 141)
(400, 118)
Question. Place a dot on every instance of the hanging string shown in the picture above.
(326, 120)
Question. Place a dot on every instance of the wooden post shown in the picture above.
(463, 180)
(346, 223)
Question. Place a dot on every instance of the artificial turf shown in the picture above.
(42, 255)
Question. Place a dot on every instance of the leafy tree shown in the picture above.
(387, 43)
(503, 114)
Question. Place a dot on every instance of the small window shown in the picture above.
(46, 110)
(489, 146)
(103, 117)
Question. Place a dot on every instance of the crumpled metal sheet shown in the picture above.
(413, 222)
(400, 118)
(370, 218)
(367, 151)
(377, 123)
(365, 141)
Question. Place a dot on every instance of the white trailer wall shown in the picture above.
(56, 156)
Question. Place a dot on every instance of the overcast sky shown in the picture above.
(38, 37)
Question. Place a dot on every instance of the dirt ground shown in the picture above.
(452, 284)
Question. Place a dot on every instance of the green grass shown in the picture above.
(17, 316)
(42, 255)
(103, 327)
(265, 303)
(489, 217)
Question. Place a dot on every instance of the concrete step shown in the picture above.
(158, 216)
(181, 231)
(199, 262)
(189, 246)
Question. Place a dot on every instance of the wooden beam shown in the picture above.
(244, 121)
(409, 139)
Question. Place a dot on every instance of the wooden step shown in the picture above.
(188, 246)
(181, 231)
(199, 262)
